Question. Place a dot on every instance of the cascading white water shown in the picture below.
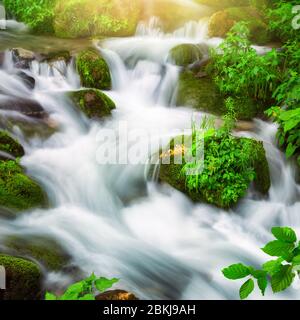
(109, 218)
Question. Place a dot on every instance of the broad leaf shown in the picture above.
(284, 234)
(282, 279)
(236, 271)
(246, 289)
(290, 150)
(74, 291)
(262, 284)
(102, 284)
(258, 273)
(278, 248)
(50, 296)
(88, 296)
(273, 266)
(296, 261)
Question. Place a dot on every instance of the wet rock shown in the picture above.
(27, 80)
(10, 146)
(43, 249)
(18, 191)
(22, 58)
(57, 56)
(2, 57)
(23, 279)
(93, 70)
(185, 54)
(116, 295)
(27, 107)
(93, 103)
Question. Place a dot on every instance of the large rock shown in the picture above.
(185, 54)
(93, 70)
(93, 103)
(10, 146)
(221, 187)
(200, 93)
(222, 21)
(27, 107)
(23, 279)
(18, 191)
(116, 295)
(45, 250)
(22, 58)
(84, 18)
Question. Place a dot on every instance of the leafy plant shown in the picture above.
(280, 272)
(85, 289)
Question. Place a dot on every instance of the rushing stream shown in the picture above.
(109, 217)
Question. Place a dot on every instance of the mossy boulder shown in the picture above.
(18, 191)
(200, 93)
(222, 21)
(43, 249)
(23, 279)
(9, 146)
(93, 103)
(85, 18)
(93, 70)
(55, 56)
(185, 54)
(220, 186)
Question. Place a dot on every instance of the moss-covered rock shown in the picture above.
(200, 93)
(10, 146)
(23, 279)
(93, 103)
(84, 18)
(222, 21)
(185, 54)
(93, 70)
(18, 191)
(173, 174)
(51, 57)
(43, 249)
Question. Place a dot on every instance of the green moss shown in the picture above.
(10, 145)
(93, 103)
(173, 174)
(235, 3)
(45, 250)
(38, 15)
(23, 279)
(222, 21)
(58, 56)
(17, 191)
(93, 70)
(185, 54)
(199, 93)
(85, 18)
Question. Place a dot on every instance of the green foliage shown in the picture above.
(38, 15)
(280, 272)
(85, 289)
(10, 145)
(222, 176)
(239, 71)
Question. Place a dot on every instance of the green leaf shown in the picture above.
(73, 292)
(246, 289)
(278, 248)
(262, 284)
(50, 296)
(102, 284)
(258, 273)
(282, 279)
(236, 271)
(284, 234)
(88, 296)
(296, 260)
(273, 266)
(291, 124)
(290, 150)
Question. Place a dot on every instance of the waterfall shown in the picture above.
(113, 221)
